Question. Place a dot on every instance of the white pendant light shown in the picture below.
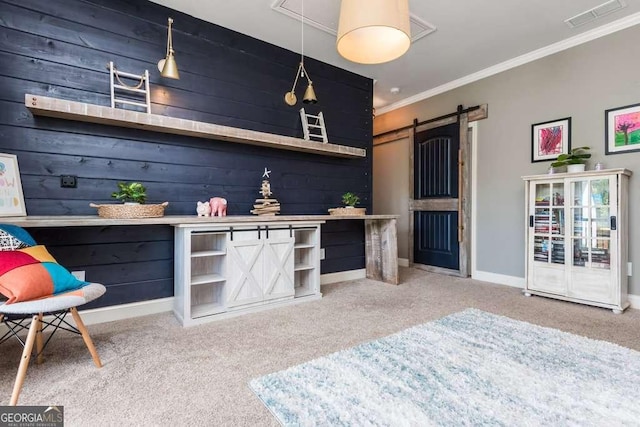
(373, 31)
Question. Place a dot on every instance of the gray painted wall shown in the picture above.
(582, 83)
(391, 186)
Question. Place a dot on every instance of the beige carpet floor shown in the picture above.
(159, 373)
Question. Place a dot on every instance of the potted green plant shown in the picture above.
(575, 160)
(134, 196)
(130, 192)
(350, 200)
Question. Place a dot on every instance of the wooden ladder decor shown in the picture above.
(133, 94)
(313, 126)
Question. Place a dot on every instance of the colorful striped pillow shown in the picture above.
(32, 273)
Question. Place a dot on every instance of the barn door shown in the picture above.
(436, 211)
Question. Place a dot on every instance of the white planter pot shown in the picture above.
(575, 168)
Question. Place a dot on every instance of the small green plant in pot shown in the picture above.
(130, 192)
(575, 160)
(350, 200)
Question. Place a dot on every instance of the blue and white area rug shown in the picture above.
(471, 367)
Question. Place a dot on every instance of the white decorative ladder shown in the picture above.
(132, 91)
(313, 126)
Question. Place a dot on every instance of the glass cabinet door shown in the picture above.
(591, 223)
(549, 223)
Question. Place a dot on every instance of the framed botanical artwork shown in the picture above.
(549, 139)
(11, 198)
(622, 129)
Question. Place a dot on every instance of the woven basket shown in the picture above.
(122, 211)
(347, 211)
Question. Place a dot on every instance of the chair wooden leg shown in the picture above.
(86, 337)
(24, 361)
(39, 345)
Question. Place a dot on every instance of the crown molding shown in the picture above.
(596, 33)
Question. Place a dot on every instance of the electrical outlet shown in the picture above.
(80, 275)
(321, 253)
(68, 181)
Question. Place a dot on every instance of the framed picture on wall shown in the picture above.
(622, 129)
(549, 139)
(11, 198)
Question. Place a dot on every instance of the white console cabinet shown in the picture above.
(227, 269)
(577, 237)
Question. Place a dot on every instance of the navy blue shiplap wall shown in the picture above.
(61, 49)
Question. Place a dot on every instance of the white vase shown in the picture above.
(579, 167)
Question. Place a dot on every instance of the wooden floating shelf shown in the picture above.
(80, 111)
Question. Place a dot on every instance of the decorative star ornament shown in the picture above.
(266, 173)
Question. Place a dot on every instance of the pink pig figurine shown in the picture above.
(218, 206)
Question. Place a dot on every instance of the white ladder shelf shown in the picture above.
(313, 126)
(133, 91)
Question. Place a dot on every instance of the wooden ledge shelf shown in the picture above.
(72, 110)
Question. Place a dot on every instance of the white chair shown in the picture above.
(38, 315)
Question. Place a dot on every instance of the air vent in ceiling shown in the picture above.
(324, 15)
(595, 13)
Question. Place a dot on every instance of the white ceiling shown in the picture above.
(472, 39)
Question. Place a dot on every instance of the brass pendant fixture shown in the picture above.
(309, 97)
(167, 66)
(309, 94)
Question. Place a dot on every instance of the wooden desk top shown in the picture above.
(174, 220)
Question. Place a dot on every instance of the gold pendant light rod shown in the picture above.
(167, 66)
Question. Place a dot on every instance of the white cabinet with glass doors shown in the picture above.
(577, 237)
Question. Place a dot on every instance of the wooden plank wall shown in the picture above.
(61, 48)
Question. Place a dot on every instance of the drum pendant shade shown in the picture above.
(373, 31)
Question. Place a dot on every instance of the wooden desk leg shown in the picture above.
(381, 250)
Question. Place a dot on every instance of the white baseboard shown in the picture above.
(117, 312)
(501, 279)
(126, 311)
(143, 308)
(519, 282)
(342, 276)
(634, 300)
(403, 262)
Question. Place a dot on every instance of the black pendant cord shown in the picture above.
(460, 110)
